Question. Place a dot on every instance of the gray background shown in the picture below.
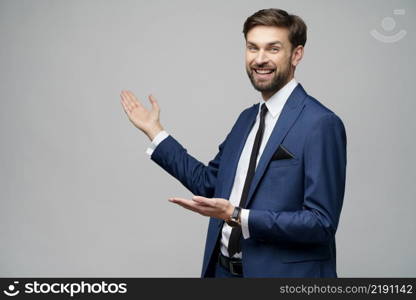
(79, 196)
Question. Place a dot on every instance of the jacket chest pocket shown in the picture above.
(284, 162)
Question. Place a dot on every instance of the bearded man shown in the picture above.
(274, 191)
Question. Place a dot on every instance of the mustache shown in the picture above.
(263, 67)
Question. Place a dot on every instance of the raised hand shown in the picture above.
(145, 120)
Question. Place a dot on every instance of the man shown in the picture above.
(274, 191)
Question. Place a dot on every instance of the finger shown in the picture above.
(194, 206)
(125, 107)
(190, 203)
(181, 200)
(198, 209)
(201, 202)
(185, 203)
(133, 101)
(126, 101)
(178, 200)
(189, 207)
(154, 103)
(211, 202)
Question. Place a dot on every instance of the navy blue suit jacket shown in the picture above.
(294, 203)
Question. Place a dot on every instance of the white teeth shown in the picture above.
(263, 71)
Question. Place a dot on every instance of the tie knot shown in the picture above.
(263, 110)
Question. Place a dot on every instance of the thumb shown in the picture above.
(154, 103)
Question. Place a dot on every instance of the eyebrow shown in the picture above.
(269, 44)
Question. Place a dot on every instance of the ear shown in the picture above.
(297, 55)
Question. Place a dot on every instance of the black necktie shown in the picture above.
(235, 237)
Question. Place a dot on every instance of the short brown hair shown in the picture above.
(279, 18)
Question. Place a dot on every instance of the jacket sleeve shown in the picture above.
(325, 171)
(198, 178)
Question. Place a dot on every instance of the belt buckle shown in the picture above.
(232, 270)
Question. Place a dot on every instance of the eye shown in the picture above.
(250, 48)
(275, 49)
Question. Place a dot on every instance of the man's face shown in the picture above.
(268, 58)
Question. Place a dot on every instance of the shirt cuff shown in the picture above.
(156, 141)
(244, 223)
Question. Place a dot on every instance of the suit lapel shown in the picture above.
(237, 141)
(288, 116)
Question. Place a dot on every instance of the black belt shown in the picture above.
(232, 265)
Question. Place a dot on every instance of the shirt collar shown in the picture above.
(277, 101)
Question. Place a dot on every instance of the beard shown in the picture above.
(279, 79)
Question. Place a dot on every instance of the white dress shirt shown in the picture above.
(274, 105)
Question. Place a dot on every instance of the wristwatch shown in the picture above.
(234, 220)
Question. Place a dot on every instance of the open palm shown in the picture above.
(144, 119)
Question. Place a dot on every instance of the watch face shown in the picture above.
(236, 213)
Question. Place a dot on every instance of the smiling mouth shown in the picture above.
(263, 73)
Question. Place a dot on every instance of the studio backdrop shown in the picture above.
(80, 197)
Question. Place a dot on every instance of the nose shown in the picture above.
(261, 58)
